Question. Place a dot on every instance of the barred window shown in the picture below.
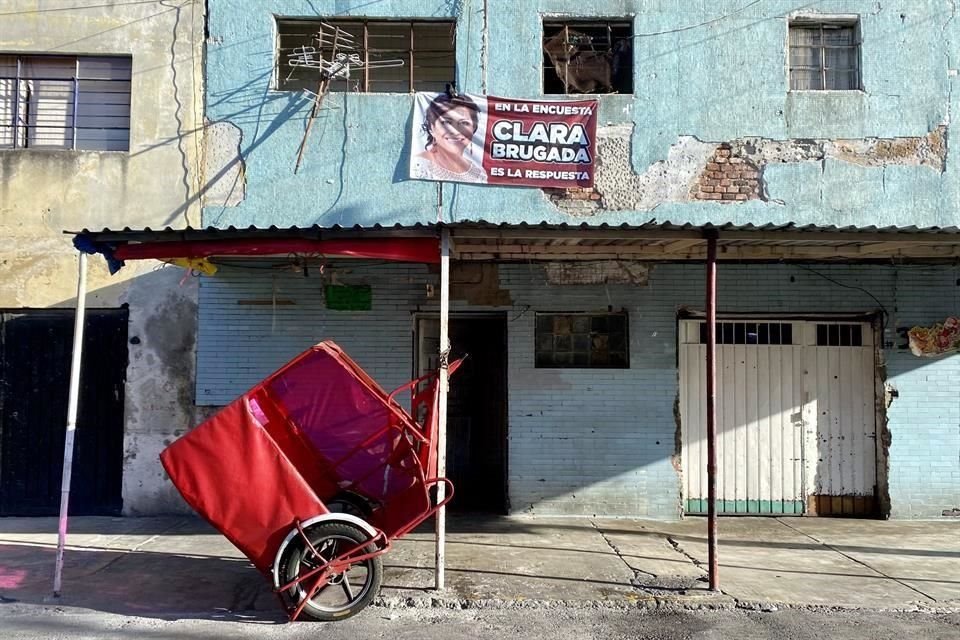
(824, 56)
(427, 49)
(582, 340)
(839, 335)
(750, 333)
(592, 56)
(65, 102)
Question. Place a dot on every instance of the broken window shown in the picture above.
(395, 56)
(824, 56)
(65, 102)
(582, 340)
(587, 57)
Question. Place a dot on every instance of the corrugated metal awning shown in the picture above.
(649, 241)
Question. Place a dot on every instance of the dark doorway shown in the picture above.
(476, 410)
(35, 350)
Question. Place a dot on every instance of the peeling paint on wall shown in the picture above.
(478, 284)
(44, 192)
(728, 172)
(223, 167)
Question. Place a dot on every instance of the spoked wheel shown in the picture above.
(344, 594)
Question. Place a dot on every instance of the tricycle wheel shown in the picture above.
(345, 594)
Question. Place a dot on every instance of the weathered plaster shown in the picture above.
(156, 184)
(224, 174)
(690, 162)
(724, 81)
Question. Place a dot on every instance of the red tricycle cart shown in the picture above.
(312, 474)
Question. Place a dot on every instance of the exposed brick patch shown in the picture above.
(728, 177)
(574, 193)
(576, 201)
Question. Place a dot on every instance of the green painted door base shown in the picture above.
(748, 507)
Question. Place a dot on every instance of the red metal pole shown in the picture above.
(712, 411)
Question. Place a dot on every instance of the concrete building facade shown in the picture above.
(754, 115)
(715, 129)
(100, 126)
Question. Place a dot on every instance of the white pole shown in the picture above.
(442, 402)
(74, 396)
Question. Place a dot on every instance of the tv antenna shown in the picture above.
(333, 55)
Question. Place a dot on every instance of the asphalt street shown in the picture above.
(33, 622)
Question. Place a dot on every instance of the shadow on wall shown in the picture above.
(160, 397)
(137, 396)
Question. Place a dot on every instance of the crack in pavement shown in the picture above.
(636, 572)
(676, 547)
(857, 561)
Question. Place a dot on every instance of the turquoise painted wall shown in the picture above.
(600, 441)
(723, 80)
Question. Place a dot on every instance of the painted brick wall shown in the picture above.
(602, 441)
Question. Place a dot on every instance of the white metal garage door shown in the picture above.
(796, 419)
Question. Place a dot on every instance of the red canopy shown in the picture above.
(398, 249)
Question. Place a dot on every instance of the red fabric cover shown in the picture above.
(234, 475)
(399, 249)
(355, 433)
(318, 426)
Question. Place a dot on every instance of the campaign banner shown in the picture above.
(488, 140)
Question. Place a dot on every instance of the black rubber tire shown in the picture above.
(351, 503)
(319, 535)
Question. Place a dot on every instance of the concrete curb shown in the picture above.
(658, 603)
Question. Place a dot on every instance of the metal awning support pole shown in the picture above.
(72, 403)
(712, 411)
(442, 402)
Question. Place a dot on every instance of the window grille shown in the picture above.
(839, 335)
(587, 57)
(582, 340)
(427, 48)
(65, 102)
(750, 333)
(824, 56)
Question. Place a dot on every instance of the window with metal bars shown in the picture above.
(587, 56)
(750, 333)
(426, 47)
(824, 56)
(582, 340)
(839, 335)
(65, 102)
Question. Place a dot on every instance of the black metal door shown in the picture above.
(35, 349)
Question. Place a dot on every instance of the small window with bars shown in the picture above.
(839, 335)
(397, 56)
(824, 56)
(750, 333)
(65, 102)
(593, 56)
(582, 340)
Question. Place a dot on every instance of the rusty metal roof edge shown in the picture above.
(482, 224)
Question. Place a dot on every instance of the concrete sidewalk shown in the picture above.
(180, 567)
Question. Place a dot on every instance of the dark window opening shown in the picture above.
(587, 57)
(582, 340)
(750, 333)
(839, 335)
(426, 49)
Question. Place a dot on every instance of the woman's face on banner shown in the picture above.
(454, 129)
